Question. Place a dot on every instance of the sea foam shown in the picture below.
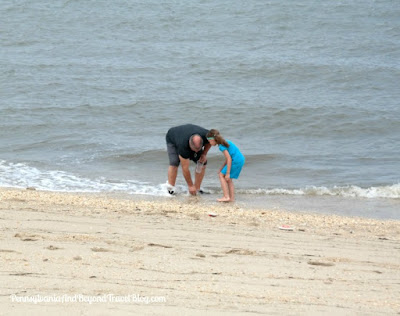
(20, 175)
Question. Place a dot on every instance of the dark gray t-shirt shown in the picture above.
(179, 136)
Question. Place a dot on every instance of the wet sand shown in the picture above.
(85, 246)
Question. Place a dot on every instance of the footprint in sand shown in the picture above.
(51, 247)
(244, 252)
(28, 238)
(158, 245)
(99, 249)
(323, 264)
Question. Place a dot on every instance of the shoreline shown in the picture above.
(185, 206)
(237, 262)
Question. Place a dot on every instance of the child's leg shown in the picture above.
(231, 188)
(225, 188)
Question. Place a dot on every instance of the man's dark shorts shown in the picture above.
(174, 156)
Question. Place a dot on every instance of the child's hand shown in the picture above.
(227, 176)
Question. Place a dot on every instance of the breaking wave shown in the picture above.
(20, 175)
(388, 192)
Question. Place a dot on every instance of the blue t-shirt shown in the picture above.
(234, 152)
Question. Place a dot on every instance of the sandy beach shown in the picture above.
(106, 255)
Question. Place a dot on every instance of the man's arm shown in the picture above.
(185, 163)
(203, 157)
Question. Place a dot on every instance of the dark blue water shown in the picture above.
(308, 91)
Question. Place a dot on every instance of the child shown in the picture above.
(234, 161)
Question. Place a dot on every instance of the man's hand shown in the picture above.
(192, 190)
(186, 174)
(203, 158)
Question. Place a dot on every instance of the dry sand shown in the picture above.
(82, 247)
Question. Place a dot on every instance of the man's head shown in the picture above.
(196, 143)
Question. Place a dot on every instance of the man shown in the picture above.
(185, 143)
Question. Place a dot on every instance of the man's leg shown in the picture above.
(173, 167)
(172, 174)
(173, 163)
(198, 178)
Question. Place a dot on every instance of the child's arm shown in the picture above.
(222, 167)
(228, 162)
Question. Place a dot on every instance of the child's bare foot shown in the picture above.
(224, 199)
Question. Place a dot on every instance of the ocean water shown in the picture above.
(309, 91)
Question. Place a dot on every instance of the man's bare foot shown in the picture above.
(224, 199)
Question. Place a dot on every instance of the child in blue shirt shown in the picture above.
(234, 161)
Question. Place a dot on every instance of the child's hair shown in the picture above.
(217, 136)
